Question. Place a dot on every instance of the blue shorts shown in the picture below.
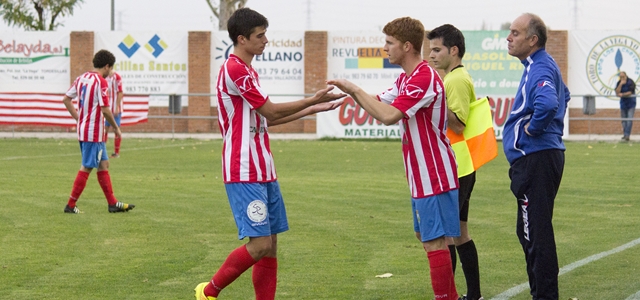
(436, 216)
(258, 208)
(117, 117)
(93, 153)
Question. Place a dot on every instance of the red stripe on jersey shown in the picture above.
(429, 160)
(114, 82)
(246, 155)
(90, 89)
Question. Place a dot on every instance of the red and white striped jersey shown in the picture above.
(429, 161)
(91, 90)
(115, 86)
(246, 154)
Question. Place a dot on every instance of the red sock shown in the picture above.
(78, 187)
(105, 135)
(117, 144)
(105, 183)
(265, 277)
(236, 263)
(442, 281)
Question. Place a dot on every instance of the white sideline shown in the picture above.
(570, 267)
(635, 296)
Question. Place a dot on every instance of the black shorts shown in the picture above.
(464, 194)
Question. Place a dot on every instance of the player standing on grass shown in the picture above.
(244, 110)
(447, 49)
(417, 99)
(93, 106)
(115, 102)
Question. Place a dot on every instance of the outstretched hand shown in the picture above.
(343, 84)
(326, 106)
(323, 95)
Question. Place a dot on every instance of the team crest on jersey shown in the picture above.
(257, 211)
(244, 83)
(412, 90)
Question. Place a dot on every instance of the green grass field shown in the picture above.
(349, 212)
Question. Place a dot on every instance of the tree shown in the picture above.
(224, 10)
(505, 26)
(37, 15)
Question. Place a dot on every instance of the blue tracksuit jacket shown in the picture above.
(541, 102)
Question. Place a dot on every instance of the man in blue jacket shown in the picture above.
(532, 141)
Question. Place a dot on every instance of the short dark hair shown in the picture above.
(406, 29)
(243, 22)
(103, 58)
(451, 36)
(538, 28)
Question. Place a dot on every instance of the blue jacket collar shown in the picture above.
(533, 55)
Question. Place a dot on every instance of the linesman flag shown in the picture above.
(477, 144)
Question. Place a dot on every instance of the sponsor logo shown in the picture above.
(525, 216)
(27, 49)
(224, 52)
(296, 55)
(351, 114)
(412, 90)
(244, 83)
(546, 83)
(257, 211)
(364, 58)
(156, 46)
(495, 43)
(129, 46)
(608, 58)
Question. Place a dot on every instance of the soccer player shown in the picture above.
(417, 99)
(244, 111)
(93, 106)
(447, 49)
(115, 102)
(532, 142)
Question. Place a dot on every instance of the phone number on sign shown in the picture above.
(278, 71)
(141, 89)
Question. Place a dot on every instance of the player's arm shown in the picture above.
(454, 123)
(545, 105)
(320, 107)
(275, 112)
(382, 112)
(106, 112)
(69, 105)
(118, 104)
(458, 101)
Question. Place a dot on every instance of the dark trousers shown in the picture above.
(535, 179)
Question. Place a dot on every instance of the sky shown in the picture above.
(335, 15)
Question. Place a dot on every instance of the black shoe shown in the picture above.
(70, 210)
(115, 155)
(464, 297)
(120, 207)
